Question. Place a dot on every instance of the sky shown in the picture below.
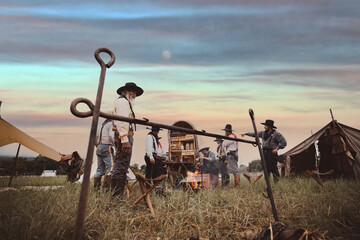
(205, 61)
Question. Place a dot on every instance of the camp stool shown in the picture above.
(316, 175)
(146, 191)
(249, 177)
(129, 188)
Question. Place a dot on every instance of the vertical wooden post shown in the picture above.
(15, 161)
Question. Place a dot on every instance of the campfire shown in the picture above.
(193, 180)
(196, 180)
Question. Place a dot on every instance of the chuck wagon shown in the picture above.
(183, 151)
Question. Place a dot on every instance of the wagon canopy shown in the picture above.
(339, 147)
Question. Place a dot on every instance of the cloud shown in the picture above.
(28, 119)
(220, 33)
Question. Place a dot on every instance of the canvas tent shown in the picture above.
(339, 147)
(10, 134)
(72, 163)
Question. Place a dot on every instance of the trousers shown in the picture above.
(152, 170)
(224, 173)
(271, 164)
(105, 159)
(233, 163)
(121, 166)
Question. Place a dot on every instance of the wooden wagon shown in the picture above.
(183, 151)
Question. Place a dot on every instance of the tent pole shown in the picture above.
(332, 116)
(15, 161)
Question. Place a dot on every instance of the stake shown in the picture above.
(332, 116)
(13, 170)
(79, 225)
(266, 174)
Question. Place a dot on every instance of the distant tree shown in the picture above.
(255, 166)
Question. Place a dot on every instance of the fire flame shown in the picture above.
(192, 181)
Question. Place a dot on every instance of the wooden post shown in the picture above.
(15, 161)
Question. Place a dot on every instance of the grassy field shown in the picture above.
(33, 181)
(215, 214)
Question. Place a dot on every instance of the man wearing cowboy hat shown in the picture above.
(232, 157)
(223, 166)
(124, 132)
(272, 141)
(209, 166)
(154, 154)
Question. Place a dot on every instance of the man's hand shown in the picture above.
(125, 147)
(152, 160)
(275, 151)
(226, 162)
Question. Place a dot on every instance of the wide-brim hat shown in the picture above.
(218, 140)
(204, 148)
(131, 86)
(154, 128)
(228, 128)
(269, 123)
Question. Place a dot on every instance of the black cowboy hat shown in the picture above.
(154, 128)
(131, 86)
(228, 128)
(204, 148)
(269, 123)
(218, 140)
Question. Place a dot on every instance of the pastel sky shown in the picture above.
(202, 61)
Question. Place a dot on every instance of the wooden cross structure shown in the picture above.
(249, 177)
(146, 191)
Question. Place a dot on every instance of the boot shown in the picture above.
(117, 186)
(107, 182)
(237, 179)
(97, 183)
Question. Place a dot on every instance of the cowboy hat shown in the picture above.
(131, 86)
(204, 148)
(269, 123)
(218, 140)
(154, 128)
(228, 128)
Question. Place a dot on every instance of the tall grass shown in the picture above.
(216, 214)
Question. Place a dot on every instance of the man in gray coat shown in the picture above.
(272, 141)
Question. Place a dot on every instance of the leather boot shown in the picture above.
(114, 187)
(107, 182)
(237, 180)
(97, 183)
(117, 186)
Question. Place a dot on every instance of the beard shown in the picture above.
(130, 99)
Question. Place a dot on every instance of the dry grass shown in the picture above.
(33, 181)
(219, 214)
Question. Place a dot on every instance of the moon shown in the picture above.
(166, 55)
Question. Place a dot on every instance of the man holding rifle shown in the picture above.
(272, 141)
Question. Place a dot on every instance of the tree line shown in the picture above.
(29, 167)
